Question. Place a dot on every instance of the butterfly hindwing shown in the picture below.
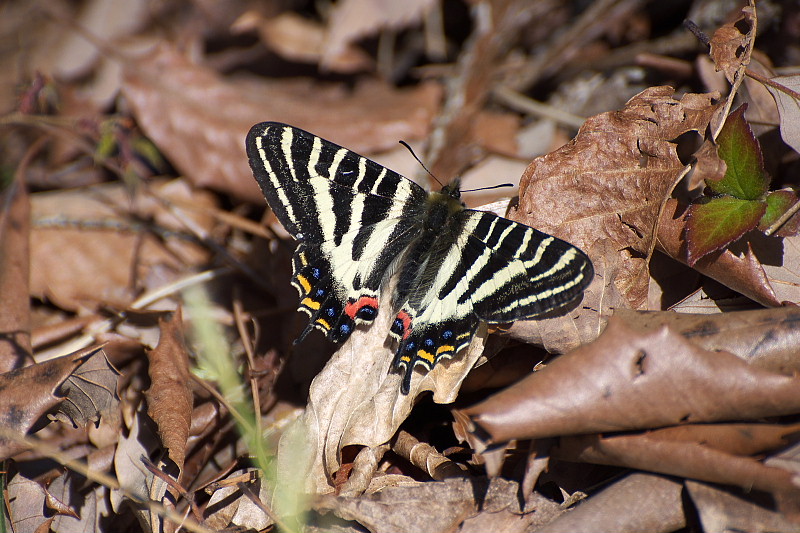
(359, 222)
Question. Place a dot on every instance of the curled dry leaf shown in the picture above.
(788, 107)
(731, 48)
(607, 186)
(619, 382)
(182, 113)
(169, 398)
(686, 453)
(766, 338)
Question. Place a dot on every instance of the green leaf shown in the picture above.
(778, 202)
(720, 221)
(745, 177)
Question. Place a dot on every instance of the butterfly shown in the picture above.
(358, 224)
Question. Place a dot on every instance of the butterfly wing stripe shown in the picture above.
(272, 186)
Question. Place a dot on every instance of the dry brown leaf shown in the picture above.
(766, 338)
(29, 393)
(638, 502)
(742, 272)
(701, 453)
(731, 45)
(89, 249)
(200, 120)
(15, 312)
(619, 382)
(439, 506)
(611, 181)
(353, 19)
(720, 512)
(169, 398)
(731, 48)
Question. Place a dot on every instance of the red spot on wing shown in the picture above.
(405, 318)
(352, 308)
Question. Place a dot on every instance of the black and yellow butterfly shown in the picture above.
(358, 223)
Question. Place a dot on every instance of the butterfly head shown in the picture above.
(453, 189)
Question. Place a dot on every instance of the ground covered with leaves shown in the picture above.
(148, 376)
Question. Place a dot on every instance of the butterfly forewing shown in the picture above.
(358, 222)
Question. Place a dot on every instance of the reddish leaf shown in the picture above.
(717, 223)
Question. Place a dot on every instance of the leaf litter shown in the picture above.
(590, 407)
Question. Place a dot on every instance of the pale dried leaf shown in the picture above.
(301, 39)
(26, 503)
(140, 442)
(228, 506)
(789, 109)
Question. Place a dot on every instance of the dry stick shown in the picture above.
(247, 491)
(528, 105)
(247, 343)
(101, 478)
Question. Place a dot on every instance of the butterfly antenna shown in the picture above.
(420, 162)
(489, 188)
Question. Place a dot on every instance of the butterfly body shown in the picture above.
(358, 223)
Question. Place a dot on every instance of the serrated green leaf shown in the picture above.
(745, 177)
(778, 202)
(718, 222)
